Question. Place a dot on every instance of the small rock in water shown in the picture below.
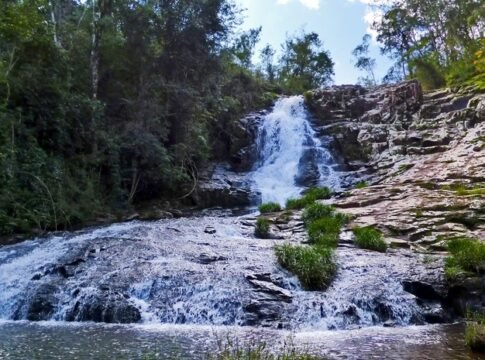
(210, 230)
(272, 289)
(206, 259)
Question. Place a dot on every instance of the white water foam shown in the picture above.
(286, 134)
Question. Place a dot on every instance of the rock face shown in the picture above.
(221, 186)
(226, 184)
(243, 153)
(424, 158)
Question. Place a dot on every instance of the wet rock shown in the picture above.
(42, 303)
(243, 152)
(389, 324)
(262, 312)
(436, 315)
(207, 259)
(210, 230)
(107, 308)
(270, 288)
(421, 290)
(222, 187)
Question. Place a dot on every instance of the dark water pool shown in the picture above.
(50, 340)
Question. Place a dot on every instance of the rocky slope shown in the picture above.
(423, 156)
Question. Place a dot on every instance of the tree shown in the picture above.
(244, 47)
(267, 62)
(433, 39)
(305, 64)
(364, 62)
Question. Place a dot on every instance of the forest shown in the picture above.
(108, 103)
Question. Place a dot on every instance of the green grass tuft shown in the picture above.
(369, 238)
(314, 266)
(295, 204)
(269, 208)
(361, 185)
(262, 228)
(309, 197)
(318, 193)
(475, 332)
(325, 231)
(466, 254)
(316, 211)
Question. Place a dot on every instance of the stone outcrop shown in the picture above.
(221, 186)
(423, 156)
(226, 184)
(243, 148)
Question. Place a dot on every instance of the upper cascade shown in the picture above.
(291, 156)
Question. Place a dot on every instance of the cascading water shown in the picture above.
(210, 270)
(291, 156)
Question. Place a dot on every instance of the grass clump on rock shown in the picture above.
(262, 228)
(325, 231)
(361, 185)
(323, 224)
(369, 238)
(313, 194)
(316, 211)
(319, 193)
(295, 204)
(466, 255)
(269, 207)
(475, 332)
(314, 266)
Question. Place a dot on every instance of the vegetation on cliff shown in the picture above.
(369, 238)
(314, 265)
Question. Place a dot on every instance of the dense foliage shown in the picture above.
(105, 103)
(437, 41)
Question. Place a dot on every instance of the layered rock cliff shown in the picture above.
(423, 156)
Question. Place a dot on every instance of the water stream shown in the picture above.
(291, 156)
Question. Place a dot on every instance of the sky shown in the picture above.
(340, 24)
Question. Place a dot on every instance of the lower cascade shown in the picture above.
(291, 156)
(174, 271)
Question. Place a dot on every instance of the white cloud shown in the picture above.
(311, 4)
(373, 13)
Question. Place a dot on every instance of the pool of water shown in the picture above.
(58, 340)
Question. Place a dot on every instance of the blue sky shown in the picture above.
(340, 24)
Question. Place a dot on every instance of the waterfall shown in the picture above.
(291, 156)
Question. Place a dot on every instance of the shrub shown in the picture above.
(318, 193)
(467, 254)
(314, 266)
(369, 238)
(316, 211)
(325, 231)
(262, 228)
(269, 207)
